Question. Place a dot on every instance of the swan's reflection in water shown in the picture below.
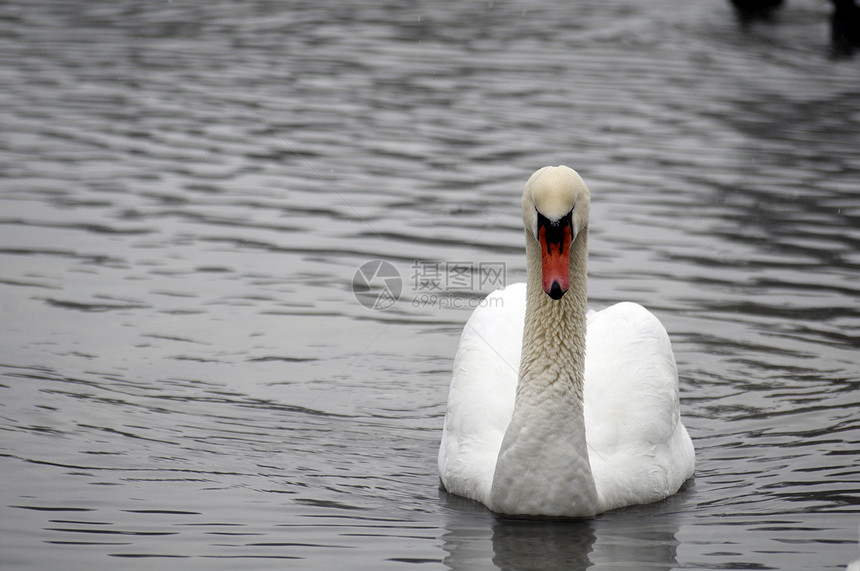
(543, 544)
(638, 537)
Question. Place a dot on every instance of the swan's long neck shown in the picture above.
(553, 357)
(543, 464)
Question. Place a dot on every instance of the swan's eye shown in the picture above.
(555, 232)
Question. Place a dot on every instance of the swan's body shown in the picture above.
(552, 411)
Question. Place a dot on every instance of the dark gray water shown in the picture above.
(187, 190)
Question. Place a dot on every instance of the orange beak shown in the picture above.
(555, 258)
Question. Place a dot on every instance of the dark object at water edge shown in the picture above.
(754, 9)
(845, 26)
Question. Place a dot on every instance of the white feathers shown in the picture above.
(638, 449)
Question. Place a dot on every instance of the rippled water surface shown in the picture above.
(187, 190)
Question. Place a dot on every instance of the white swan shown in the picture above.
(529, 383)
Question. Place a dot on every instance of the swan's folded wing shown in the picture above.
(481, 397)
(638, 447)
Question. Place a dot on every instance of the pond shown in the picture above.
(188, 192)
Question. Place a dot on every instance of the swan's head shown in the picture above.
(555, 209)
